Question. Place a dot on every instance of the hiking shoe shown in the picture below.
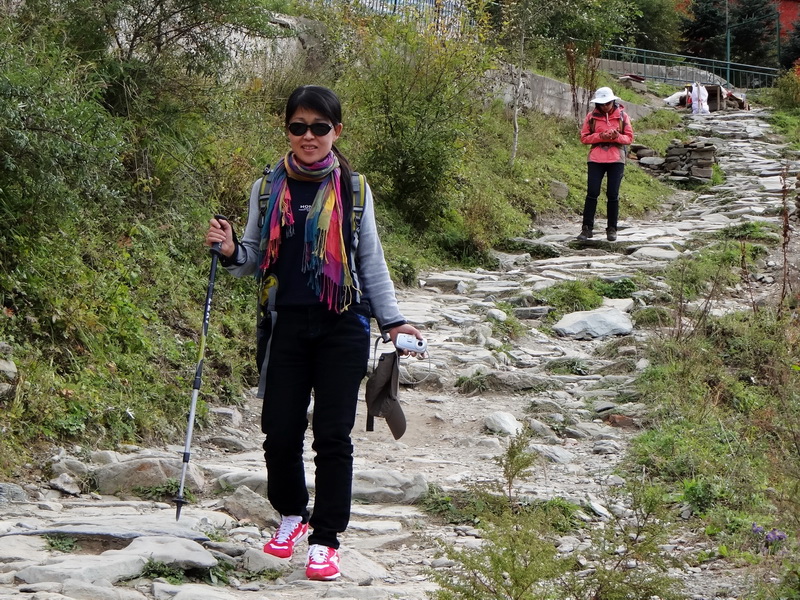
(585, 234)
(323, 563)
(291, 531)
(611, 234)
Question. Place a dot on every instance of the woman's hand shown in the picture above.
(410, 329)
(221, 232)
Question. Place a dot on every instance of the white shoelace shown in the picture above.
(287, 527)
(317, 553)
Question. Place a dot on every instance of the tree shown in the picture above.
(415, 92)
(790, 50)
(703, 30)
(521, 22)
(753, 32)
(657, 25)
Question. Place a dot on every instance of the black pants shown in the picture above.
(596, 171)
(314, 349)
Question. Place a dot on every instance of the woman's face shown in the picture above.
(308, 147)
(607, 107)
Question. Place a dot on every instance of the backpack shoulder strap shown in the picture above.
(263, 195)
(621, 121)
(359, 199)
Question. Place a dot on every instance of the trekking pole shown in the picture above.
(198, 374)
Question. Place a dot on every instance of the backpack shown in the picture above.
(359, 184)
(266, 313)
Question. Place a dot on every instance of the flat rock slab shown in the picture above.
(594, 324)
(181, 553)
(85, 568)
(132, 526)
(656, 253)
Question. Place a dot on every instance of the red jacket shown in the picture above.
(604, 151)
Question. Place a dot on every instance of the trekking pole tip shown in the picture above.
(179, 501)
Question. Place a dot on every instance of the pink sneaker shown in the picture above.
(291, 531)
(323, 563)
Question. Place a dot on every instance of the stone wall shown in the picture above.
(691, 161)
(548, 96)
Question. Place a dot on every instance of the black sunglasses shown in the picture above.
(318, 129)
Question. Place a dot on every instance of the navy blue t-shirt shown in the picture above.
(293, 288)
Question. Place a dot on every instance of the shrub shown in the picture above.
(622, 288)
(569, 296)
(786, 94)
(414, 92)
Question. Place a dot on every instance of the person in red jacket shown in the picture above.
(608, 130)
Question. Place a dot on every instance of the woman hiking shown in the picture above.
(322, 275)
(608, 130)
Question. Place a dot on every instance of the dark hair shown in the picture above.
(323, 101)
(316, 98)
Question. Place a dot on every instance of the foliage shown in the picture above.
(511, 328)
(569, 296)
(700, 29)
(653, 316)
(752, 231)
(727, 397)
(717, 176)
(790, 47)
(567, 366)
(413, 95)
(624, 542)
(711, 269)
(470, 506)
(476, 382)
(165, 491)
(516, 462)
(657, 25)
(61, 543)
(751, 25)
(753, 32)
(155, 569)
(517, 559)
(116, 150)
(621, 288)
(786, 96)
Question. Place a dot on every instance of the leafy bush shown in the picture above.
(621, 288)
(711, 269)
(154, 569)
(786, 94)
(518, 560)
(62, 543)
(569, 296)
(752, 231)
(653, 316)
(413, 92)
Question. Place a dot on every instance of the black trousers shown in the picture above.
(613, 173)
(314, 349)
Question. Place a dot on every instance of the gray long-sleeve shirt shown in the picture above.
(370, 273)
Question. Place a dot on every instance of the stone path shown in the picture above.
(452, 438)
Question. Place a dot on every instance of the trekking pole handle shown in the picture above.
(217, 247)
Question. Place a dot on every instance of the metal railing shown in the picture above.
(681, 69)
(449, 16)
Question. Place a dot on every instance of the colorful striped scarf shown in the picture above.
(325, 256)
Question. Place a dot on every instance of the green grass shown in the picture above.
(61, 543)
(569, 296)
(166, 491)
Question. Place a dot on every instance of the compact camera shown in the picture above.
(406, 341)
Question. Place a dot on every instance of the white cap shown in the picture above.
(603, 95)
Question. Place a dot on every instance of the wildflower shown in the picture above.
(757, 529)
(775, 536)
